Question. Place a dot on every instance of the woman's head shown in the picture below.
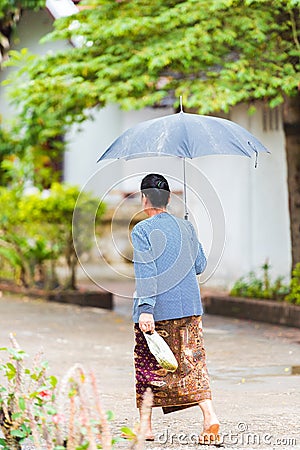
(156, 188)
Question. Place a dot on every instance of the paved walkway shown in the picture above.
(255, 394)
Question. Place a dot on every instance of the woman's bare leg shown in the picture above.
(149, 433)
(209, 415)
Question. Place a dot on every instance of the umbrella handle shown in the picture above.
(186, 214)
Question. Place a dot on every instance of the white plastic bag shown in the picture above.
(161, 351)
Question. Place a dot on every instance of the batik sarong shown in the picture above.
(189, 384)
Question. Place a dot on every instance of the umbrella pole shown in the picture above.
(186, 214)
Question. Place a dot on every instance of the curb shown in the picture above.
(260, 310)
(96, 299)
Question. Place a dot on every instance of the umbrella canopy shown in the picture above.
(186, 136)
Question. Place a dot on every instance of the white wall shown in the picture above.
(255, 204)
(31, 28)
(86, 144)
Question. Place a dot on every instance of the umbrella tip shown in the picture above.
(180, 101)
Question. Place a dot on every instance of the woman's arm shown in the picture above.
(145, 275)
(200, 261)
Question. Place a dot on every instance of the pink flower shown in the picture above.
(58, 418)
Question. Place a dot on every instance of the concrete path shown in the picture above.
(255, 393)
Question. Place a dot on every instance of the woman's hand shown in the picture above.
(146, 322)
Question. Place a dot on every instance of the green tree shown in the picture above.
(216, 53)
(10, 12)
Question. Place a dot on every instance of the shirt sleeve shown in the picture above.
(200, 261)
(145, 271)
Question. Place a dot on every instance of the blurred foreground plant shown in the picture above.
(70, 416)
(26, 399)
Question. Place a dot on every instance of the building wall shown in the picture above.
(30, 29)
(86, 144)
(253, 202)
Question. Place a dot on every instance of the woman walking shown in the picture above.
(167, 258)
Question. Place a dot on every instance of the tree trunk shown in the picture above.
(291, 124)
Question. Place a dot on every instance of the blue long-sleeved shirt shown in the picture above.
(167, 258)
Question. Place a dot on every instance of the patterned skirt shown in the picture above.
(189, 384)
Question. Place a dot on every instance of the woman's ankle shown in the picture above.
(208, 422)
(209, 416)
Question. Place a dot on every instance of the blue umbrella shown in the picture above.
(186, 136)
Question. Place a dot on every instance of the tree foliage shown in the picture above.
(10, 11)
(216, 53)
(8, 6)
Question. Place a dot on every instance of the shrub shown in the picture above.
(254, 286)
(36, 230)
(294, 294)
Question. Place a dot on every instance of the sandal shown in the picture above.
(210, 436)
(150, 438)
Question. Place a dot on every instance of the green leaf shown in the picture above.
(251, 110)
(276, 101)
(10, 366)
(10, 371)
(83, 446)
(16, 415)
(128, 432)
(53, 381)
(18, 355)
(22, 404)
(26, 429)
(110, 415)
(18, 433)
(3, 443)
(51, 410)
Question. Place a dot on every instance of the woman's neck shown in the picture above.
(154, 211)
